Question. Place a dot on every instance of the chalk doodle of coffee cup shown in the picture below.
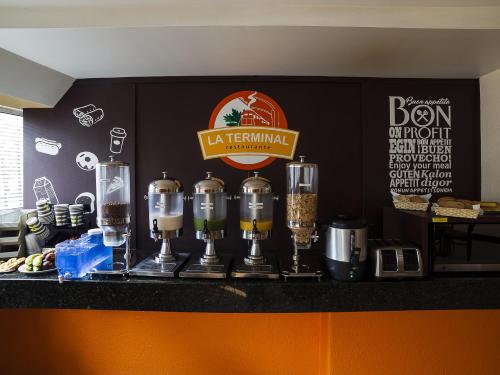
(86, 160)
(47, 146)
(86, 198)
(118, 136)
(88, 115)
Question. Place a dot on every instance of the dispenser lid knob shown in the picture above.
(165, 184)
(301, 163)
(210, 184)
(255, 184)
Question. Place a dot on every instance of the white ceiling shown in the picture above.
(439, 14)
(185, 51)
(88, 3)
(377, 38)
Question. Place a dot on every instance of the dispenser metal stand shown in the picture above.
(255, 265)
(301, 265)
(209, 265)
(166, 263)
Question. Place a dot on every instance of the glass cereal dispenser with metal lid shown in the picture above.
(256, 222)
(113, 200)
(166, 206)
(113, 207)
(301, 214)
(302, 201)
(209, 214)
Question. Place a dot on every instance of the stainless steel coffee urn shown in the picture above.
(301, 213)
(256, 222)
(346, 248)
(209, 214)
(166, 203)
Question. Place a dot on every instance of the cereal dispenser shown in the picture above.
(166, 205)
(301, 208)
(256, 222)
(209, 213)
(113, 206)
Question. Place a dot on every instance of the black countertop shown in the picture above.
(256, 296)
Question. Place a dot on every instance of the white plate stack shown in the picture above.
(76, 214)
(45, 214)
(41, 231)
(62, 214)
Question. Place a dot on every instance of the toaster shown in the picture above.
(393, 259)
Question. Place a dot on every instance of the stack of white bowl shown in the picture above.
(76, 214)
(62, 214)
(45, 212)
(41, 231)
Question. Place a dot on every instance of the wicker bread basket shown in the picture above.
(411, 206)
(456, 212)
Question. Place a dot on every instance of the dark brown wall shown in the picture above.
(326, 114)
(342, 122)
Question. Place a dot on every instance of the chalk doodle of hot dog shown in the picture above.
(47, 146)
(88, 115)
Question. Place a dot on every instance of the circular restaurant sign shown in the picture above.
(248, 130)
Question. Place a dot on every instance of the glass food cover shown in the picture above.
(256, 204)
(166, 204)
(209, 204)
(302, 200)
(113, 200)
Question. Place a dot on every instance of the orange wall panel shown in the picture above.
(415, 342)
(125, 342)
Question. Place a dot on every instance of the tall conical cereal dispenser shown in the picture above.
(301, 216)
(113, 208)
(113, 200)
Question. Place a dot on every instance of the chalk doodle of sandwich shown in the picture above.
(88, 115)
